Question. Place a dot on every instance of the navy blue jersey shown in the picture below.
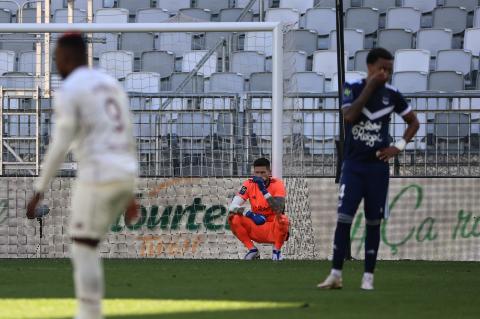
(370, 132)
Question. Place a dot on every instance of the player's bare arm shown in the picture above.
(412, 127)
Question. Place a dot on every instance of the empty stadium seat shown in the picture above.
(451, 131)
(117, 63)
(97, 4)
(395, 39)
(325, 61)
(366, 19)
(61, 16)
(228, 82)
(108, 15)
(476, 18)
(161, 62)
(332, 4)
(301, 40)
(287, 16)
(412, 60)
(434, 40)
(7, 61)
(195, 85)
(27, 62)
(213, 5)
(454, 60)
(320, 131)
(470, 5)
(255, 7)
(453, 18)
(424, 6)
(17, 42)
(5, 16)
(403, 18)
(196, 13)
(307, 82)
(191, 59)
(354, 40)
(294, 61)
(471, 41)
(259, 41)
(300, 5)
(29, 15)
(360, 61)
(152, 15)
(381, 5)
(176, 42)
(142, 82)
(349, 77)
(322, 20)
(261, 82)
(133, 6)
(137, 42)
(232, 14)
(446, 81)
(17, 80)
(247, 62)
(410, 81)
(173, 6)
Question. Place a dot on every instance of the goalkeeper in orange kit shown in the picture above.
(266, 221)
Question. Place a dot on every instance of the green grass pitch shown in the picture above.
(181, 289)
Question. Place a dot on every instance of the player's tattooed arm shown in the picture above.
(277, 204)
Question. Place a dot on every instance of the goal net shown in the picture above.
(207, 100)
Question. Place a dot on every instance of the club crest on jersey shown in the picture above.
(347, 92)
(243, 190)
(385, 100)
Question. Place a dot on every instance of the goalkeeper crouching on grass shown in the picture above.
(266, 221)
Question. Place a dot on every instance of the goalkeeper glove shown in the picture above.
(261, 184)
(258, 219)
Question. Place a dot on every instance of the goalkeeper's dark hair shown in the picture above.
(74, 44)
(378, 53)
(262, 161)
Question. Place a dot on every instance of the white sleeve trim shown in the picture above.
(407, 110)
(346, 105)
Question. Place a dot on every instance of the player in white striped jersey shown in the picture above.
(93, 119)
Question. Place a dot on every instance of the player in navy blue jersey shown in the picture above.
(367, 106)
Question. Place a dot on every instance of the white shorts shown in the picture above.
(96, 206)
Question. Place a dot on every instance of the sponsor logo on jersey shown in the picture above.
(367, 132)
(386, 100)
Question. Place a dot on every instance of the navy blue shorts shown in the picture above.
(367, 181)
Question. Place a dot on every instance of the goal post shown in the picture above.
(277, 55)
(195, 147)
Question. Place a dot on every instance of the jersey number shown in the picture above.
(114, 113)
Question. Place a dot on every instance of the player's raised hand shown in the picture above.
(261, 183)
(387, 153)
(378, 79)
(32, 205)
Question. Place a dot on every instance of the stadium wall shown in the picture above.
(431, 219)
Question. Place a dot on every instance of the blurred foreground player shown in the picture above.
(266, 221)
(367, 105)
(93, 118)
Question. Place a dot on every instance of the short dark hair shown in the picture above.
(378, 53)
(262, 161)
(75, 43)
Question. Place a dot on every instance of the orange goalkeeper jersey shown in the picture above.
(258, 203)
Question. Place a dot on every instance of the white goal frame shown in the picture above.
(277, 55)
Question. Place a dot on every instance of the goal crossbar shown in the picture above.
(277, 55)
